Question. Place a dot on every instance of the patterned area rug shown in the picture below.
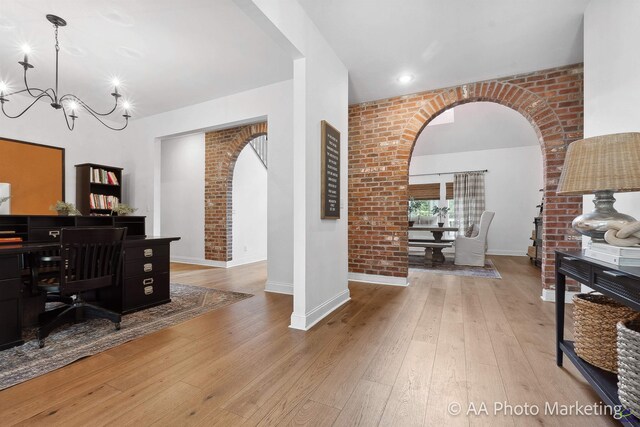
(489, 271)
(75, 341)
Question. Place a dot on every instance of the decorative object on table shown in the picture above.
(74, 342)
(5, 198)
(601, 165)
(441, 212)
(623, 256)
(487, 271)
(629, 364)
(123, 210)
(68, 103)
(468, 197)
(330, 171)
(471, 250)
(65, 209)
(595, 318)
(623, 235)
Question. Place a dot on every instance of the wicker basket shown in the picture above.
(629, 365)
(595, 319)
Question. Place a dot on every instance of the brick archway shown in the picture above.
(222, 149)
(381, 139)
(551, 136)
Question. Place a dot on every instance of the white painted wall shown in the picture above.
(272, 103)
(320, 93)
(476, 126)
(511, 189)
(90, 142)
(611, 78)
(182, 196)
(249, 209)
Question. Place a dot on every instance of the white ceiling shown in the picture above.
(168, 53)
(171, 54)
(446, 42)
(476, 126)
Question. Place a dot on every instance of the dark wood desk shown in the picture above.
(620, 283)
(144, 281)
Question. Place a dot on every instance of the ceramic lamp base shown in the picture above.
(595, 224)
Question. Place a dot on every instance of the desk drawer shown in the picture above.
(10, 289)
(616, 282)
(9, 267)
(48, 234)
(145, 290)
(146, 251)
(575, 269)
(153, 265)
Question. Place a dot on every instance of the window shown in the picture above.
(451, 217)
(424, 197)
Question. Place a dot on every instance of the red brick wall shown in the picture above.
(381, 139)
(222, 149)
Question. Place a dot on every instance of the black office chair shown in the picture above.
(90, 259)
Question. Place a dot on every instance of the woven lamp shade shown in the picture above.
(607, 162)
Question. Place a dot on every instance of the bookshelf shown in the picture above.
(98, 188)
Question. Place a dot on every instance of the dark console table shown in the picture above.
(620, 283)
(144, 281)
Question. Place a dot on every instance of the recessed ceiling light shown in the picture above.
(406, 78)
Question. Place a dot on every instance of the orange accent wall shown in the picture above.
(36, 175)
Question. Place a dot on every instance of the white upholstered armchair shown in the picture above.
(471, 250)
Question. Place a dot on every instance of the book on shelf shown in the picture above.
(102, 176)
(612, 259)
(7, 232)
(10, 239)
(102, 201)
(625, 252)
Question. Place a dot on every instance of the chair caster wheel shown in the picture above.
(117, 326)
(41, 343)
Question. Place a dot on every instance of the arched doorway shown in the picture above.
(552, 138)
(478, 136)
(222, 150)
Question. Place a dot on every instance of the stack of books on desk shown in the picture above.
(623, 256)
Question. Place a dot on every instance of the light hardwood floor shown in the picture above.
(392, 356)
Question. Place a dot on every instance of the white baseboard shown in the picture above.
(306, 321)
(549, 295)
(378, 279)
(211, 263)
(199, 261)
(279, 288)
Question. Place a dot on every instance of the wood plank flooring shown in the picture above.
(392, 356)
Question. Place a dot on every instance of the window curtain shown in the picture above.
(468, 197)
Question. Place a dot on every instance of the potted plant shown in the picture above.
(441, 212)
(65, 209)
(123, 210)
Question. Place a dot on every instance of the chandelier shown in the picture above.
(68, 103)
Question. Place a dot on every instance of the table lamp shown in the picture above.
(601, 165)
